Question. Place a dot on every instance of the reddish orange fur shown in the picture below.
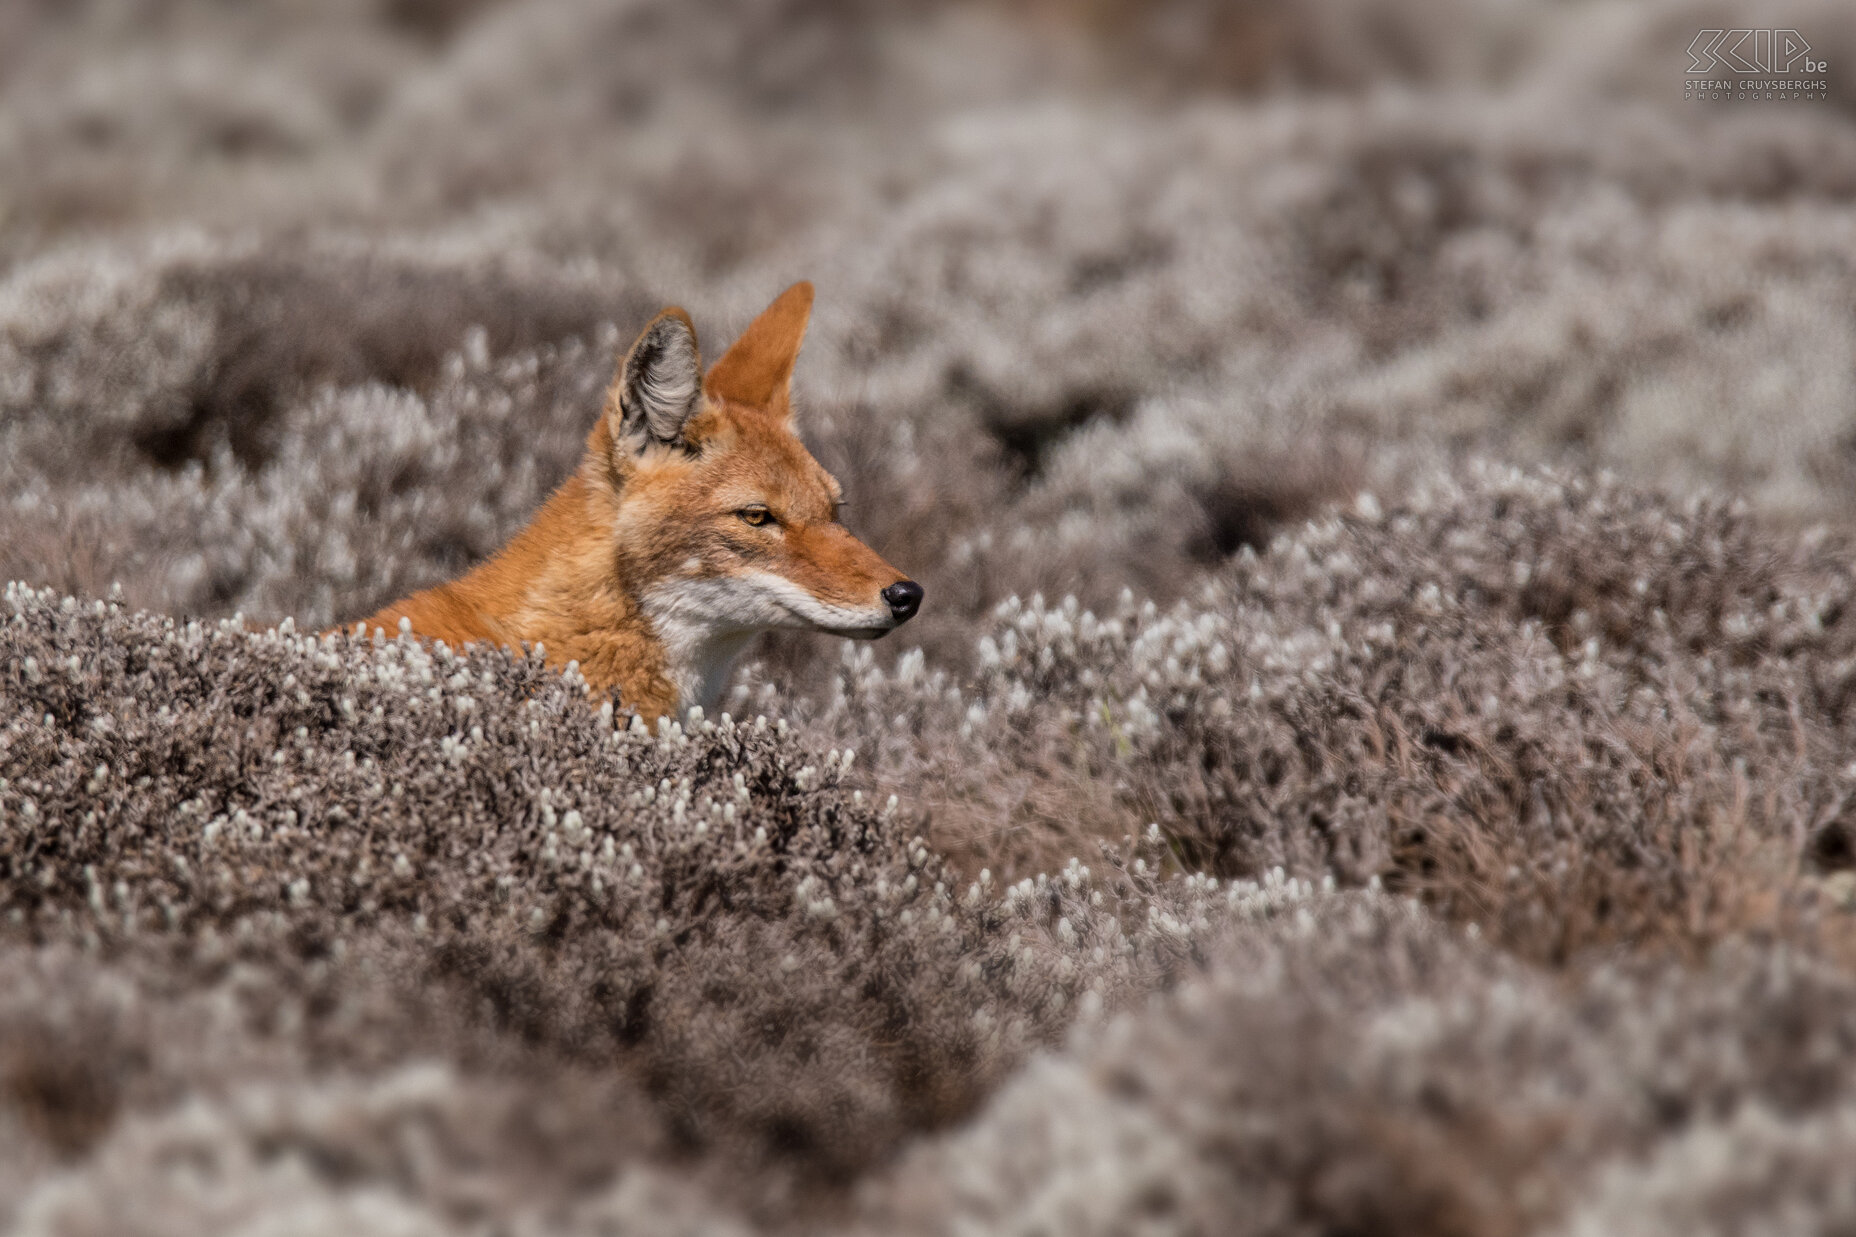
(576, 580)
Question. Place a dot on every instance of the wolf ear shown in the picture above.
(758, 369)
(659, 384)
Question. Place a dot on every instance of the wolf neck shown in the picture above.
(698, 660)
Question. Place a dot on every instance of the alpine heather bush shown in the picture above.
(1253, 46)
(1757, 1171)
(1352, 1066)
(169, 353)
(1567, 710)
(417, 1149)
(1039, 295)
(247, 461)
(1580, 268)
(401, 852)
(115, 115)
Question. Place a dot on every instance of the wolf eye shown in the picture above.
(755, 516)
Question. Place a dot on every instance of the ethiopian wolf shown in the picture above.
(695, 520)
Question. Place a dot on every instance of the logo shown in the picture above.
(1751, 51)
(1754, 66)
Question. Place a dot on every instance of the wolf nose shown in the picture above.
(904, 598)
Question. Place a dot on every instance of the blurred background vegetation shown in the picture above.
(1108, 290)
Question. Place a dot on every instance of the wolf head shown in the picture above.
(724, 525)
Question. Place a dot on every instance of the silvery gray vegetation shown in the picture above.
(1376, 757)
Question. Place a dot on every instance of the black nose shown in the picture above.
(904, 598)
